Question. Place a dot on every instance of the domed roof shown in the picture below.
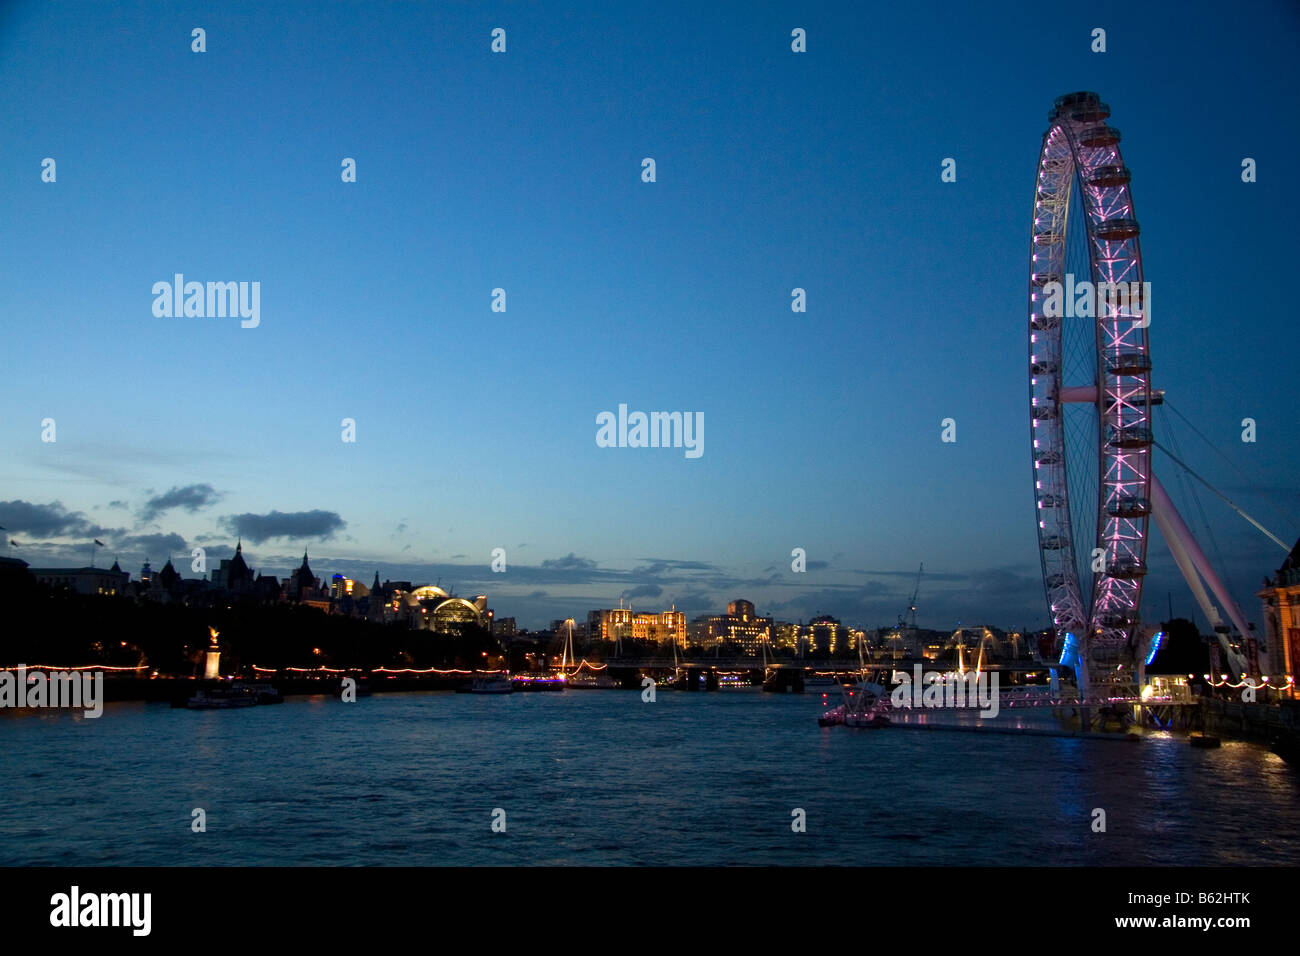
(456, 609)
(430, 592)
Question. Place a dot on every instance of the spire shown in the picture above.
(239, 547)
(374, 589)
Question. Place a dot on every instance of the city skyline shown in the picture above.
(478, 430)
(572, 574)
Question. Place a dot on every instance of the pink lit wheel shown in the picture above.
(1090, 388)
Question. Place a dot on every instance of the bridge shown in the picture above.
(781, 675)
(823, 667)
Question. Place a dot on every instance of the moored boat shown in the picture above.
(585, 680)
(831, 718)
(543, 682)
(492, 684)
(265, 693)
(865, 705)
(222, 698)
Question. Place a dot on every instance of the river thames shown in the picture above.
(601, 777)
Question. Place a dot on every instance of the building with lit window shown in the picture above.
(84, 580)
(740, 626)
(825, 633)
(455, 615)
(1281, 598)
(619, 624)
(785, 634)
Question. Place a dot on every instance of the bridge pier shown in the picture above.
(628, 678)
(785, 681)
(711, 679)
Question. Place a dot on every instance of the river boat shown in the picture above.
(492, 684)
(222, 698)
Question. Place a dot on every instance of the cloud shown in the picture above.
(694, 603)
(643, 590)
(1004, 582)
(569, 563)
(284, 524)
(658, 566)
(158, 544)
(49, 521)
(852, 603)
(189, 497)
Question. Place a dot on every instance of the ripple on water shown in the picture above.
(602, 778)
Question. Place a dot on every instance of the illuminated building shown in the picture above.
(622, 623)
(741, 626)
(825, 633)
(430, 608)
(1281, 598)
(454, 614)
(785, 634)
(610, 624)
(429, 592)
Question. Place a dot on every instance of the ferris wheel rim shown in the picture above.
(1080, 154)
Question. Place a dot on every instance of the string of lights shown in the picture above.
(85, 667)
(1247, 682)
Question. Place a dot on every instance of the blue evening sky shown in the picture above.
(775, 170)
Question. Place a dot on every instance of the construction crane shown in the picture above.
(907, 619)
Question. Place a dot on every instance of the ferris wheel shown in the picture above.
(1090, 385)
(1090, 403)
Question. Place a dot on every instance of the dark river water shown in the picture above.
(600, 777)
